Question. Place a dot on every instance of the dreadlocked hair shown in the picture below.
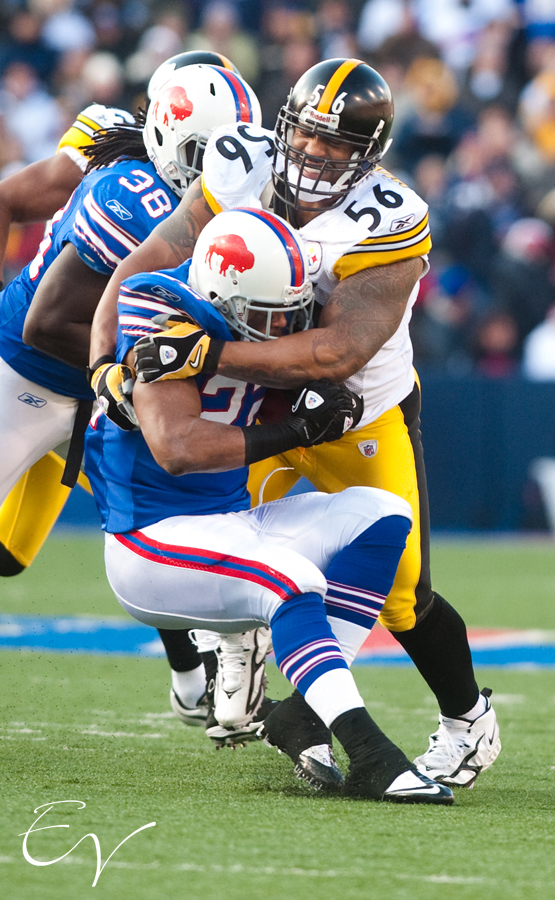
(117, 142)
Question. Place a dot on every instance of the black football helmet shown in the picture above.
(341, 100)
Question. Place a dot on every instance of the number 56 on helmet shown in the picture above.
(343, 101)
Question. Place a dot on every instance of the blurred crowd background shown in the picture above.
(474, 132)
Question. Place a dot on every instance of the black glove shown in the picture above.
(180, 351)
(113, 386)
(324, 412)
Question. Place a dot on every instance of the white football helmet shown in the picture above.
(251, 261)
(185, 111)
(187, 58)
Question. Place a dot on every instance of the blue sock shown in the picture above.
(361, 575)
(304, 644)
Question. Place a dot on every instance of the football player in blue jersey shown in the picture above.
(45, 313)
(97, 137)
(183, 547)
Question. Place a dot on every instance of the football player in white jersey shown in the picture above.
(367, 237)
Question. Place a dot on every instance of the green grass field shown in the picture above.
(238, 825)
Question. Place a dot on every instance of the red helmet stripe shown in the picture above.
(296, 258)
(242, 100)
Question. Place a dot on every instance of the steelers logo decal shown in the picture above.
(314, 253)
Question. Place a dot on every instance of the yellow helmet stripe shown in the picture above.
(335, 83)
(226, 63)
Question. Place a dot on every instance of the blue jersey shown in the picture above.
(130, 488)
(108, 215)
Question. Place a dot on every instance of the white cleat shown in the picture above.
(194, 716)
(413, 787)
(241, 679)
(459, 750)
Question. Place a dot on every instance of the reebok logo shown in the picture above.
(120, 211)
(31, 400)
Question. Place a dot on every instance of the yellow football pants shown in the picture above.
(32, 507)
(385, 454)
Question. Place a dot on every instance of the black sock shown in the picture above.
(375, 760)
(180, 650)
(9, 565)
(210, 661)
(293, 726)
(438, 646)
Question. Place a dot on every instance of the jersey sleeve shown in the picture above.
(237, 166)
(91, 120)
(150, 294)
(106, 228)
(397, 221)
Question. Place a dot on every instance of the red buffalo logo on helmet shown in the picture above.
(179, 103)
(234, 253)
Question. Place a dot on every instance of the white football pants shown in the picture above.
(33, 420)
(230, 572)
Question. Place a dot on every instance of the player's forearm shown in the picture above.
(5, 221)
(153, 254)
(180, 441)
(361, 314)
(292, 361)
(36, 192)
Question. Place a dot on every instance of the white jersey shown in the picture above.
(89, 122)
(381, 221)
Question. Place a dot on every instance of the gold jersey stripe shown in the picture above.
(76, 138)
(212, 202)
(335, 83)
(398, 236)
(94, 126)
(356, 262)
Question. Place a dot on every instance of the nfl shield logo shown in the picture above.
(167, 354)
(368, 448)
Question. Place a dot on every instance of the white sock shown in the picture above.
(333, 693)
(350, 637)
(189, 686)
(477, 710)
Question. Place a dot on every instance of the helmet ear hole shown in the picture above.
(159, 137)
(212, 89)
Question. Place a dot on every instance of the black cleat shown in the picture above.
(409, 787)
(295, 729)
(317, 766)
